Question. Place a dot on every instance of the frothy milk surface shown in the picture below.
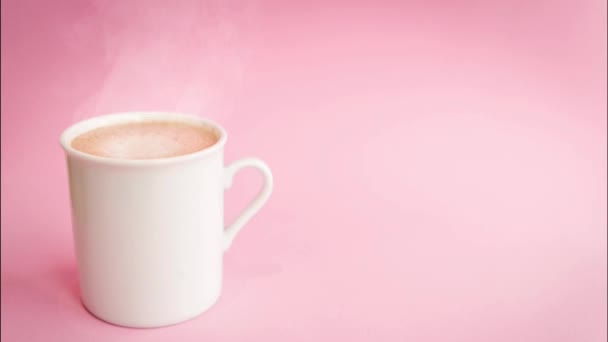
(145, 140)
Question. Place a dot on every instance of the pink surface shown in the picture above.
(440, 166)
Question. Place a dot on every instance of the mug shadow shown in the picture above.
(66, 279)
(54, 295)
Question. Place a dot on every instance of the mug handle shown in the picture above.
(232, 229)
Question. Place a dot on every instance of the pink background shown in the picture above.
(440, 166)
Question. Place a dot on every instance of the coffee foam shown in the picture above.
(145, 140)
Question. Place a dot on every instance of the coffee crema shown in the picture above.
(145, 140)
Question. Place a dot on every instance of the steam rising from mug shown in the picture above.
(183, 56)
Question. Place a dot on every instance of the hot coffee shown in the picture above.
(145, 140)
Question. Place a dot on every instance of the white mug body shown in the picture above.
(149, 234)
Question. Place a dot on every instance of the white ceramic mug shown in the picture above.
(149, 234)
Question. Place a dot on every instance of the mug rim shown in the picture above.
(68, 135)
